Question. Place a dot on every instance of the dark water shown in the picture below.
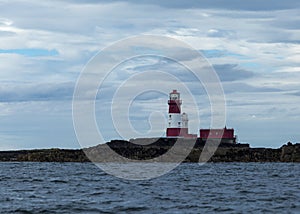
(190, 188)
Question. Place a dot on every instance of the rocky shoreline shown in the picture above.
(140, 149)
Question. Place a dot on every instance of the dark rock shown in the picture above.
(44, 155)
(154, 148)
(290, 153)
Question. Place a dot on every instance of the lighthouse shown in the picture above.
(177, 122)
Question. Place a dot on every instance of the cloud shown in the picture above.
(36, 92)
(254, 5)
(232, 72)
(238, 87)
(221, 33)
(5, 22)
(150, 95)
(4, 33)
(297, 93)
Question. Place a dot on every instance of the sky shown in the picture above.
(254, 47)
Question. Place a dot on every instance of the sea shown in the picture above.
(190, 188)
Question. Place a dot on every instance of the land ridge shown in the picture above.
(149, 148)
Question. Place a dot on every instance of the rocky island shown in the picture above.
(139, 149)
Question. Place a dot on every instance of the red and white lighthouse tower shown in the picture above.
(177, 122)
(174, 117)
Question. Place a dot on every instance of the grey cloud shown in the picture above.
(244, 88)
(230, 102)
(7, 33)
(253, 5)
(171, 67)
(293, 24)
(276, 39)
(36, 92)
(221, 33)
(231, 72)
(297, 93)
(151, 95)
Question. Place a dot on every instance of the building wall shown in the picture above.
(217, 133)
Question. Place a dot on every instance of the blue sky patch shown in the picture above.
(214, 53)
(30, 52)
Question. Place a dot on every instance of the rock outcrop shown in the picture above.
(45, 155)
(290, 153)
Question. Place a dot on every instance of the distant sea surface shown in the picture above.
(190, 188)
